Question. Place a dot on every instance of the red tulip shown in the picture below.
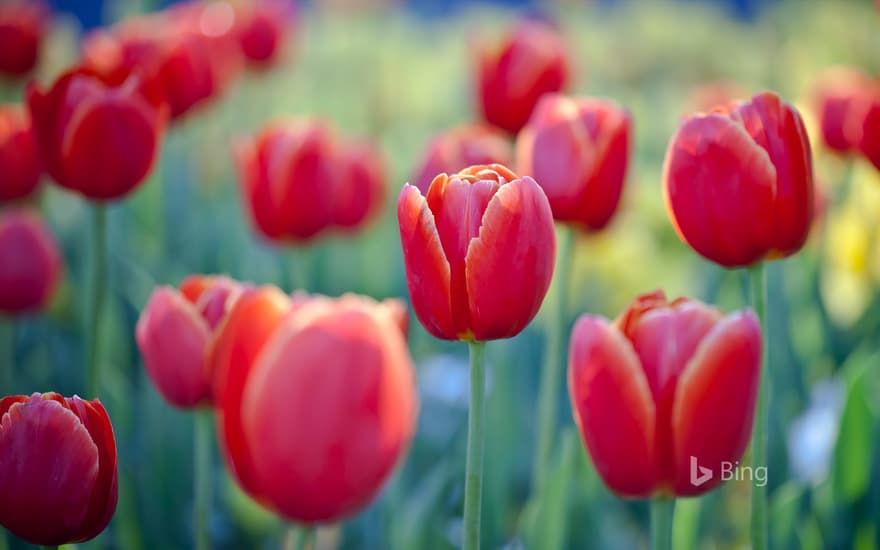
(837, 94)
(30, 264)
(20, 167)
(738, 182)
(577, 149)
(98, 136)
(263, 29)
(281, 369)
(360, 187)
(868, 125)
(460, 147)
(22, 27)
(678, 379)
(529, 63)
(57, 468)
(174, 333)
(479, 251)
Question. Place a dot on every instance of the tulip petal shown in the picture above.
(715, 400)
(173, 338)
(510, 264)
(612, 406)
(50, 463)
(236, 344)
(427, 270)
(718, 184)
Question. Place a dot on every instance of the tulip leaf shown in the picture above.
(852, 454)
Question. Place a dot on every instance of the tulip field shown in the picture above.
(345, 275)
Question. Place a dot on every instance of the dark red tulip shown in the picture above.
(22, 27)
(360, 185)
(868, 124)
(263, 29)
(174, 334)
(678, 379)
(528, 63)
(838, 94)
(283, 367)
(738, 182)
(57, 468)
(97, 136)
(578, 151)
(20, 167)
(30, 264)
(460, 147)
(479, 251)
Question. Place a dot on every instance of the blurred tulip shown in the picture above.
(738, 182)
(174, 332)
(284, 367)
(577, 150)
(57, 468)
(868, 124)
(460, 147)
(30, 263)
(98, 136)
(264, 29)
(528, 63)
(22, 27)
(299, 179)
(479, 250)
(20, 167)
(837, 93)
(709, 95)
(680, 380)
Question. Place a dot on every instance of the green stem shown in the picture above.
(554, 358)
(662, 510)
(759, 431)
(299, 537)
(7, 367)
(202, 477)
(473, 483)
(98, 291)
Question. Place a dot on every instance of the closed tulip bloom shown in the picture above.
(867, 125)
(578, 151)
(20, 167)
(460, 147)
(837, 93)
(22, 28)
(679, 379)
(174, 333)
(360, 185)
(97, 136)
(528, 63)
(58, 470)
(30, 263)
(479, 251)
(738, 182)
(264, 29)
(316, 401)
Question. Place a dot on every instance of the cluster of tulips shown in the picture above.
(313, 397)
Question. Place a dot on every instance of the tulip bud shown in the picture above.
(837, 94)
(58, 473)
(680, 381)
(283, 367)
(30, 264)
(460, 147)
(263, 30)
(20, 167)
(360, 187)
(577, 150)
(22, 27)
(97, 136)
(738, 182)
(174, 333)
(528, 63)
(479, 251)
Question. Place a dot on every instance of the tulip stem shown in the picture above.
(202, 477)
(299, 537)
(759, 431)
(98, 291)
(662, 510)
(554, 357)
(473, 483)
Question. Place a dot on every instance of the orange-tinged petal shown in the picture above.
(715, 400)
(427, 269)
(510, 264)
(612, 406)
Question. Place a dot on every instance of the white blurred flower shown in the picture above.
(812, 436)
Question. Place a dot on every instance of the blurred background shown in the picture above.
(401, 72)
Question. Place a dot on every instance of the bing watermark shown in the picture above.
(728, 471)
